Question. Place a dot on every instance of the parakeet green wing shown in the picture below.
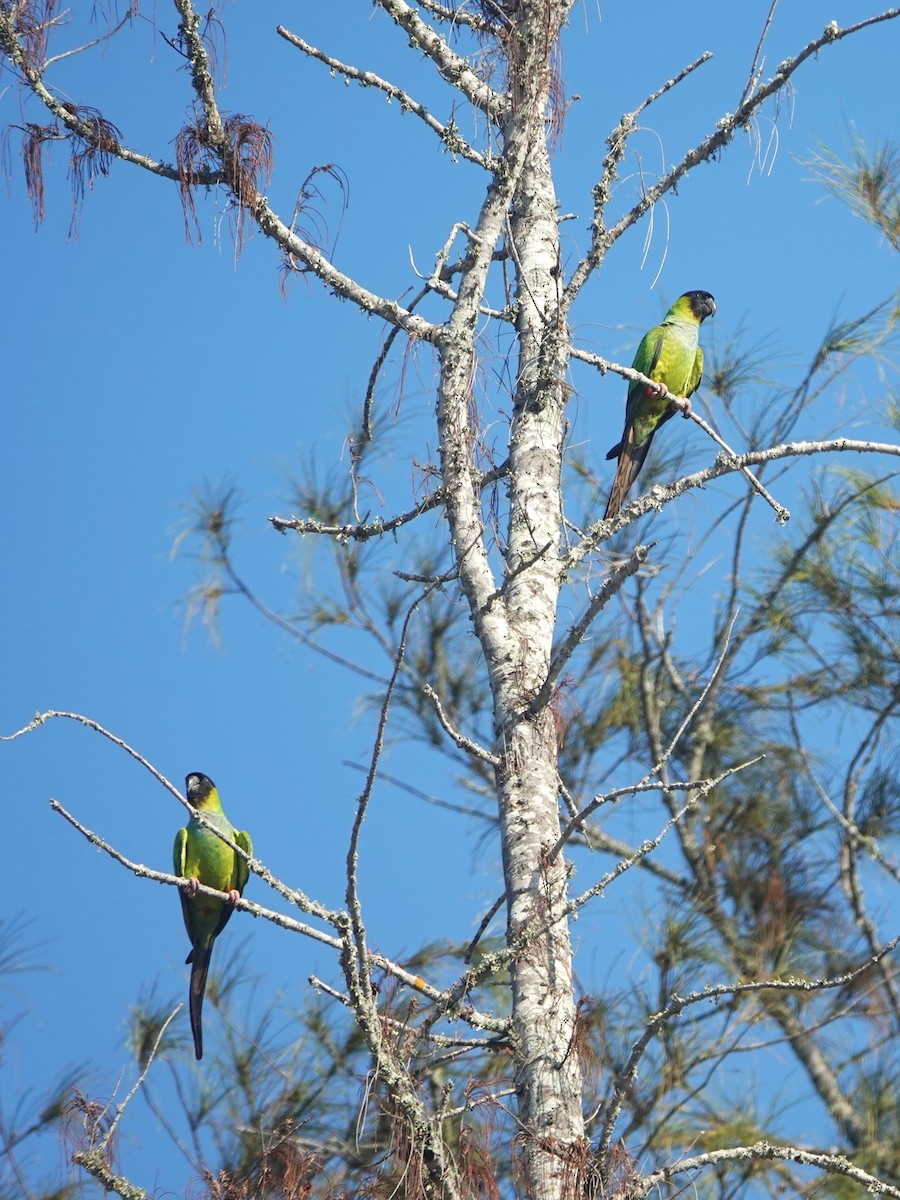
(670, 355)
(200, 856)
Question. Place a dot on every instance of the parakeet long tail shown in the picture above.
(631, 459)
(199, 959)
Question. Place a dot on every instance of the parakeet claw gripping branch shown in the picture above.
(671, 355)
(201, 857)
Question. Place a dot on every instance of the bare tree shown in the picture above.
(734, 786)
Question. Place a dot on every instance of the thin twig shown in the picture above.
(482, 927)
(460, 739)
(782, 515)
(365, 530)
(757, 66)
(97, 41)
(359, 981)
(41, 718)
(120, 1109)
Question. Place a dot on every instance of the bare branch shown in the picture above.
(459, 16)
(782, 514)
(656, 497)
(105, 37)
(41, 718)
(460, 739)
(452, 66)
(120, 1109)
(832, 1164)
(726, 128)
(94, 1162)
(466, 1012)
(298, 250)
(66, 113)
(618, 139)
(448, 134)
(377, 528)
(201, 75)
(703, 789)
(757, 65)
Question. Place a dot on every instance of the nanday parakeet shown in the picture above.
(670, 354)
(201, 857)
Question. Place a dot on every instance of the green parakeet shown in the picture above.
(201, 857)
(670, 354)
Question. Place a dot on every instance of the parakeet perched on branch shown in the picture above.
(201, 857)
(670, 354)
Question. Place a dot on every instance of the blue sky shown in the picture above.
(137, 369)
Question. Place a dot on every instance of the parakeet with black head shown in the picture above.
(201, 857)
(671, 355)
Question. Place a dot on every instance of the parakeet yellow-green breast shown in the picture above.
(201, 857)
(670, 354)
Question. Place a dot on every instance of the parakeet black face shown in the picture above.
(703, 304)
(198, 787)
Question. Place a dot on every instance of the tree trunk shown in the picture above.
(515, 621)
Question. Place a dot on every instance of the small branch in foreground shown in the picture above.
(120, 1109)
(94, 1162)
